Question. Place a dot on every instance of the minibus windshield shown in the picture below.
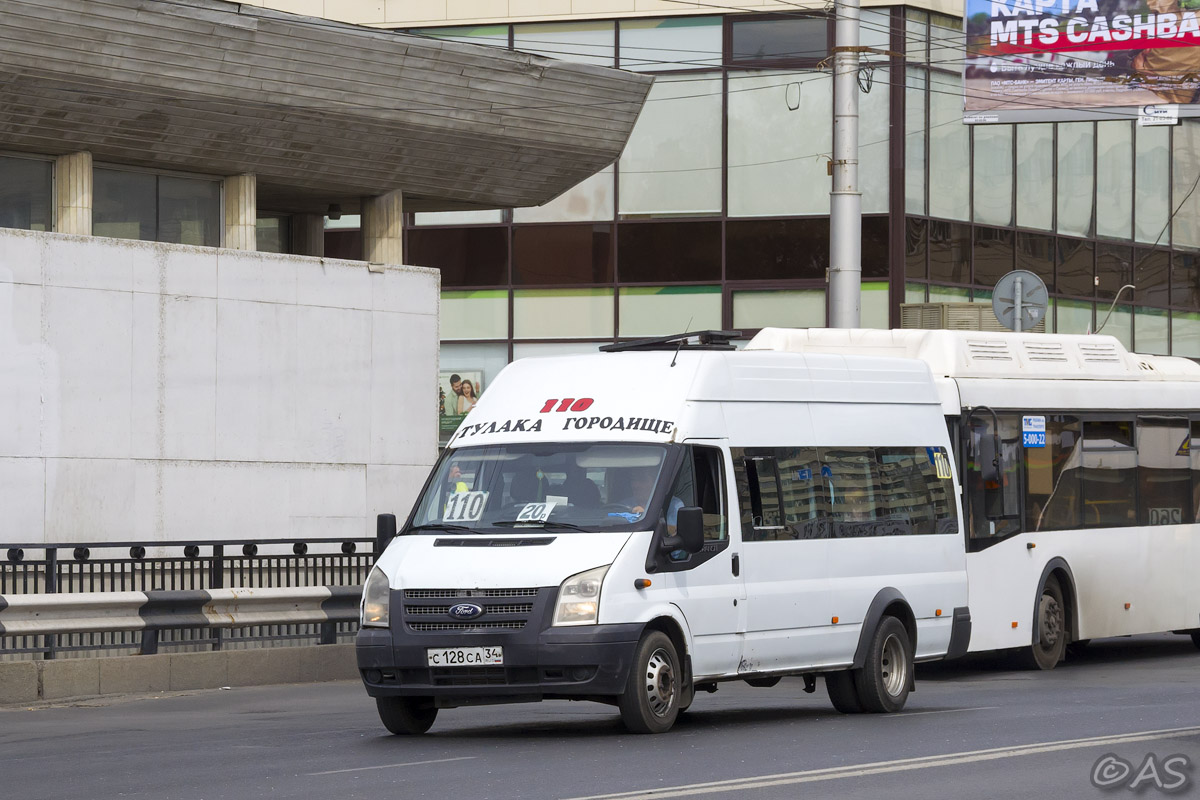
(559, 487)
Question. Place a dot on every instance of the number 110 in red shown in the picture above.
(567, 404)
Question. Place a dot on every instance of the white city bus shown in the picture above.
(1080, 475)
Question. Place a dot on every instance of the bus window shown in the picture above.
(1109, 474)
(1164, 471)
(1052, 490)
(805, 505)
(852, 480)
(986, 519)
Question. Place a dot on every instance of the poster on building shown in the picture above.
(458, 392)
(1056, 60)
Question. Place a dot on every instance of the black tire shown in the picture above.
(842, 692)
(1050, 628)
(887, 673)
(406, 716)
(653, 693)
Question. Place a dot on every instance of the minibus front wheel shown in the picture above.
(406, 716)
(652, 698)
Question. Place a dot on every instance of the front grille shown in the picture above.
(425, 611)
(425, 627)
(469, 676)
(454, 594)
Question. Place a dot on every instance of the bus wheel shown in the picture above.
(1051, 629)
(842, 692)
(653, 693)
(406, 716)
(884, 680)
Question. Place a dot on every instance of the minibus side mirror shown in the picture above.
(385, 531)
(689, 527)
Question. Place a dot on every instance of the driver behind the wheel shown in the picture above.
(641, 487)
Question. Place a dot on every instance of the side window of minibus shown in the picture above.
(708, 482)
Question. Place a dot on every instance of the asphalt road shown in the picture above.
(980, 729)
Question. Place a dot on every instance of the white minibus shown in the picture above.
(636, 526)
(1081, 474)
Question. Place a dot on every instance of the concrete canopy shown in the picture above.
(320, 111)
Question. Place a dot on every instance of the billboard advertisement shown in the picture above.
(457, 394)
(1030, 60)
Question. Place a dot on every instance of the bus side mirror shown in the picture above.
(689, 527)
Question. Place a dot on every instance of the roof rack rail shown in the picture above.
(693, 340)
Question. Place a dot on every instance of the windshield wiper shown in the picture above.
(441, 526)
(512, 523)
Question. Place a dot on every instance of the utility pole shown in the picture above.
(845, 200)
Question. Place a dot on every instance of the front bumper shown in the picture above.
(541, 662)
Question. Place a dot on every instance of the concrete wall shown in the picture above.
(417, 13)
(163, 392)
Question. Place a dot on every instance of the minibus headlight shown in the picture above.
(579, 598)
(375, 600)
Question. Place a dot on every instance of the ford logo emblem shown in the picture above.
(466, 611)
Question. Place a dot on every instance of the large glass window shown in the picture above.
(1114, 269)
(1164, 471)
(1185, 181)
(915, 249)
(779, 125)
(949, 148)
(466, 256)
(672, 163)
(163, 208)
(949, 252)
(668, 252)
(1152, 331)
(1152, 276)
(1076, 268)
(1152, 175)
(1035, 176)
(562, 313)
(1185, 280)
(993, 508)
(993, 174)
(914, 141)
(480, 314)
(660, 310)
(779, 40)
(674, 43)
(584, 42)
(1076, 143)
(801, 308)
(778, 249)
(874, 123)
(558, 254)
(1035, 253)
(273, 233)
(1114, 173)
(26, 194)
(993, 255)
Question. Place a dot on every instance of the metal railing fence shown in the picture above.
(48, 568)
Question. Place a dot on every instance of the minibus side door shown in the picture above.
(707, 586)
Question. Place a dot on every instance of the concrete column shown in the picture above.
(382, 228)
(308, 234)
(241, 212)
(73, 192)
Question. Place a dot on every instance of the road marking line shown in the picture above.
(390, 766)
(899, 765)
(902, 715)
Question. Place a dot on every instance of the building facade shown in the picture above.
(716, 213)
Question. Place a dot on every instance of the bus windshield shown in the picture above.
(559, 487)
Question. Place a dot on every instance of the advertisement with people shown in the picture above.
(1047, 59)
(457, 394)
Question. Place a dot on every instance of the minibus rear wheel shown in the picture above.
(886, 676)
(406, 716)
(654, 690)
